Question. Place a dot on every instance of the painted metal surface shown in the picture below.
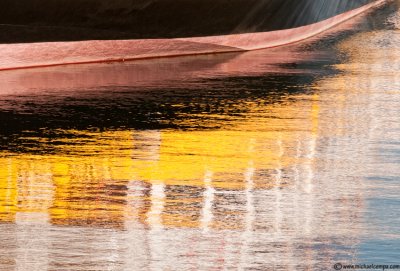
(28, 55)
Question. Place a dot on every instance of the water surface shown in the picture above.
(283, 159)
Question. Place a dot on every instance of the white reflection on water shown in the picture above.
(209, 192)
(296, 182)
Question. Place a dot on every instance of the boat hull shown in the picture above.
(72, 20)
(48, 53)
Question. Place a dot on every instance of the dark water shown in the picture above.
(284, 159)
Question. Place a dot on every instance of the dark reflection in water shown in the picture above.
(284, 159)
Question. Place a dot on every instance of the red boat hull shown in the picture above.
(41, 54)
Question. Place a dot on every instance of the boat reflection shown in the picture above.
(250, 185)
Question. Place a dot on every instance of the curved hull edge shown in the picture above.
(44, 54)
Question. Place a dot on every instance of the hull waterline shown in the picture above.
(49, 53)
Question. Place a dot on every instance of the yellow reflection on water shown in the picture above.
(96, 177)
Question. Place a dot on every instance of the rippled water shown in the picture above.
(284, 159)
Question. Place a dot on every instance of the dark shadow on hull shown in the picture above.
(67, 20)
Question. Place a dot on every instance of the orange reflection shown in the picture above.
(89, 181)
